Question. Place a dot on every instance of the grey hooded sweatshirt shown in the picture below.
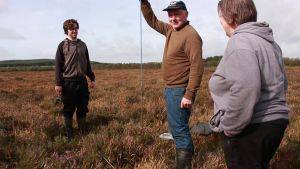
(249, 84)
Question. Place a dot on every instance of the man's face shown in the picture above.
(73, 32)
(177, 18)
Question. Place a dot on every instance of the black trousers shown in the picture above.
(75, 96)
(255, 146)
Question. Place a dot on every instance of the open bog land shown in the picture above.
(122, 132)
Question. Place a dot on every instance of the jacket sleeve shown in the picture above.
(152, 20)
(89, 72)
(242, 73)
(193, 49)
(59, 64)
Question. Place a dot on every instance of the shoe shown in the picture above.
(166, 136)
(183, 159)
(201, 129)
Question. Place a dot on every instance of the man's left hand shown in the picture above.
(92, 85)
(186, 103)
(227, 134)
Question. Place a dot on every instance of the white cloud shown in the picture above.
(5, 54)
(4, 6)
(11, 34)
(111, 28)
(3, 3)
(283, 18)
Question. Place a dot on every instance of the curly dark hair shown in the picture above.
(70, 24)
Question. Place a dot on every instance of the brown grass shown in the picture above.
(122, 132)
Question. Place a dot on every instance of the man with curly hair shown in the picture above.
(72, 65)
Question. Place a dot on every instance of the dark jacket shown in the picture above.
(72, 60)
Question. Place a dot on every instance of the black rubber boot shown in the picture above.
(183, 159)
(81, 124)
(69, 128)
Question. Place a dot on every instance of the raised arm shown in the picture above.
(152, 20)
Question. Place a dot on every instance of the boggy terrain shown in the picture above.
(122, 132)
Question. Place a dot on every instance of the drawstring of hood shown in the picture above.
(70, 41)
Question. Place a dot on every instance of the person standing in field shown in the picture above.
(248, 89)
(72, 65)
(182, 72)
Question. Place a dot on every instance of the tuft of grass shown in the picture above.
(9, 96)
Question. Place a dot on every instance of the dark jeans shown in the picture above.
(178, 119)
(255, 146)
(75, 95)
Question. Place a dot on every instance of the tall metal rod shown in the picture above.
(141, 55)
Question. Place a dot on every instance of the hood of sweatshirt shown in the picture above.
(260, 29)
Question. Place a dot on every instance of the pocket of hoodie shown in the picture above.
(216, 119)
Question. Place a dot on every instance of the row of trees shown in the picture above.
(213, 61)
(48, 64)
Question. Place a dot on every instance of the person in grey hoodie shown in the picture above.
(248, 89)
(72, 65)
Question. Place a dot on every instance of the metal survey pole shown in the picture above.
(141, 55)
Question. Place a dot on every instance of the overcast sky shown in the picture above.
(32, 29)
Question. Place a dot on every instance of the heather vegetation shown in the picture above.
(122, 132)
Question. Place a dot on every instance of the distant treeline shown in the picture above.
(291, 62)
(48, 64)
(20, 63)
(214, 61)
(150, 65)
(30, 63)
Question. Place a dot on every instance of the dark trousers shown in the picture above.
(255, 146)
(75, 96)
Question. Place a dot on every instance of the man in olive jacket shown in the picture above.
(182, 72)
